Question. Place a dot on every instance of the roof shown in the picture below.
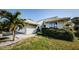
(31, 22)
(56, 19)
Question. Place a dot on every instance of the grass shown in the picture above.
(43, 43)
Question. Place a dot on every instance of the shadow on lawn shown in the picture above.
(4, 39)
(7, 38)
(7, 34)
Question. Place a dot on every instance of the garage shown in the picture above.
(30, 28)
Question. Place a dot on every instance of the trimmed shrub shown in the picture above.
(58, 34)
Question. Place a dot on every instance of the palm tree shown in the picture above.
(2, 28)
(13, 22)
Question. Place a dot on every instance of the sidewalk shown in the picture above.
(17, 39)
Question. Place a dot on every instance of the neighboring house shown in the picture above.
(53, 22)
(30, 28)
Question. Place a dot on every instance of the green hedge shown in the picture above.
(58, 33)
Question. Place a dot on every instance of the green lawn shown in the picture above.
(43, 43)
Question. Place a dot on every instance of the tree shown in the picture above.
(69, 27)
(75, 20)
(13, 22)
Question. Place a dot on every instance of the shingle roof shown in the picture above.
(56, 19)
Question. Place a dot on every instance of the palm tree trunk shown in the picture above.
(13, 35)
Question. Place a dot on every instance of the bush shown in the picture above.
(39, 33)
(58, 34)
(77, 34)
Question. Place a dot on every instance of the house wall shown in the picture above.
(59, 25)
(30, 30)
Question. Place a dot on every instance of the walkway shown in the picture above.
(17, 39)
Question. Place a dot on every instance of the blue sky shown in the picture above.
(38, 14)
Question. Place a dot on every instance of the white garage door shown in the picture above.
(30, 30)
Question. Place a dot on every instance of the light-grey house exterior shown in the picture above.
(53, 22)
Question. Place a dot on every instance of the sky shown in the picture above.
(38, 14)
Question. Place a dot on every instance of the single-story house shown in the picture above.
(53, 22)
(30, 28)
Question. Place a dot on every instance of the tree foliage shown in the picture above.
(14, 22)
